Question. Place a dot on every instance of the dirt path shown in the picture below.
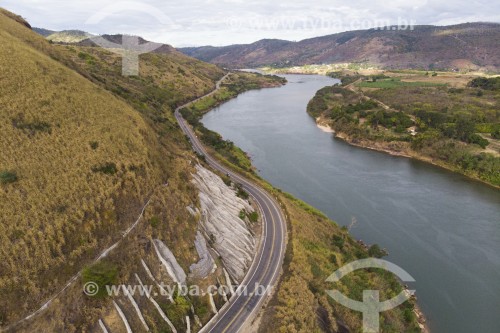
(351, 87)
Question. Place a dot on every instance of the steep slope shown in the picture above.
(463, 46)
(78, 165)
(76, 151)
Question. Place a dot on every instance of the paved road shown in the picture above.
(268, 260)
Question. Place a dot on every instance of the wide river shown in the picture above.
(442, 228)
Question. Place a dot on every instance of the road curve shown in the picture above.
(264, 271)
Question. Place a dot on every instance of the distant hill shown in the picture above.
(43, 32)
(68, 36)
(160, 48)
(64, 36)
(465, 46)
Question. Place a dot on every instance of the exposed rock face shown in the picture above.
(228, 234)
(168, 260)
(206, 265)
(192, 210)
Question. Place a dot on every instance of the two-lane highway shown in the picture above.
(264, 271)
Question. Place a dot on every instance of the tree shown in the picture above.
(178, 310)
(479, 140)
(465, 128)
(485, 83)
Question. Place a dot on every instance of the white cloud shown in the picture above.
(221, 22)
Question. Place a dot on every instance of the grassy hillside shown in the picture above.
(78, 164)
(166, 78)
(61, 141)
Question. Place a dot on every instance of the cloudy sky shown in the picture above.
(222, 22)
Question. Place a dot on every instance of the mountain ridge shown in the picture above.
(453, 47)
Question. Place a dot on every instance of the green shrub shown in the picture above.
(103, 274)
(177, 311)
(485, 83)
(496, 134)
(376, 252)
(338, 241)
(479, 140)
(212, 240)
(408, 315)
(253, 216)
(7, 177)
(240, 192)
(226, 180)
(487, 127)
(154, 221)
(31, 127)
(94, 145)
(106, 168)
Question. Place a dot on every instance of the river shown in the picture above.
(441, 227)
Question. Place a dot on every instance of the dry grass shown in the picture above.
(60, 211)
(58, 129)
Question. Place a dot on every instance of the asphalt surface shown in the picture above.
(264, 271)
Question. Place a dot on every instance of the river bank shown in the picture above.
(406, 118)
(400, 149)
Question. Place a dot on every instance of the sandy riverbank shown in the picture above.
(323, 126)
